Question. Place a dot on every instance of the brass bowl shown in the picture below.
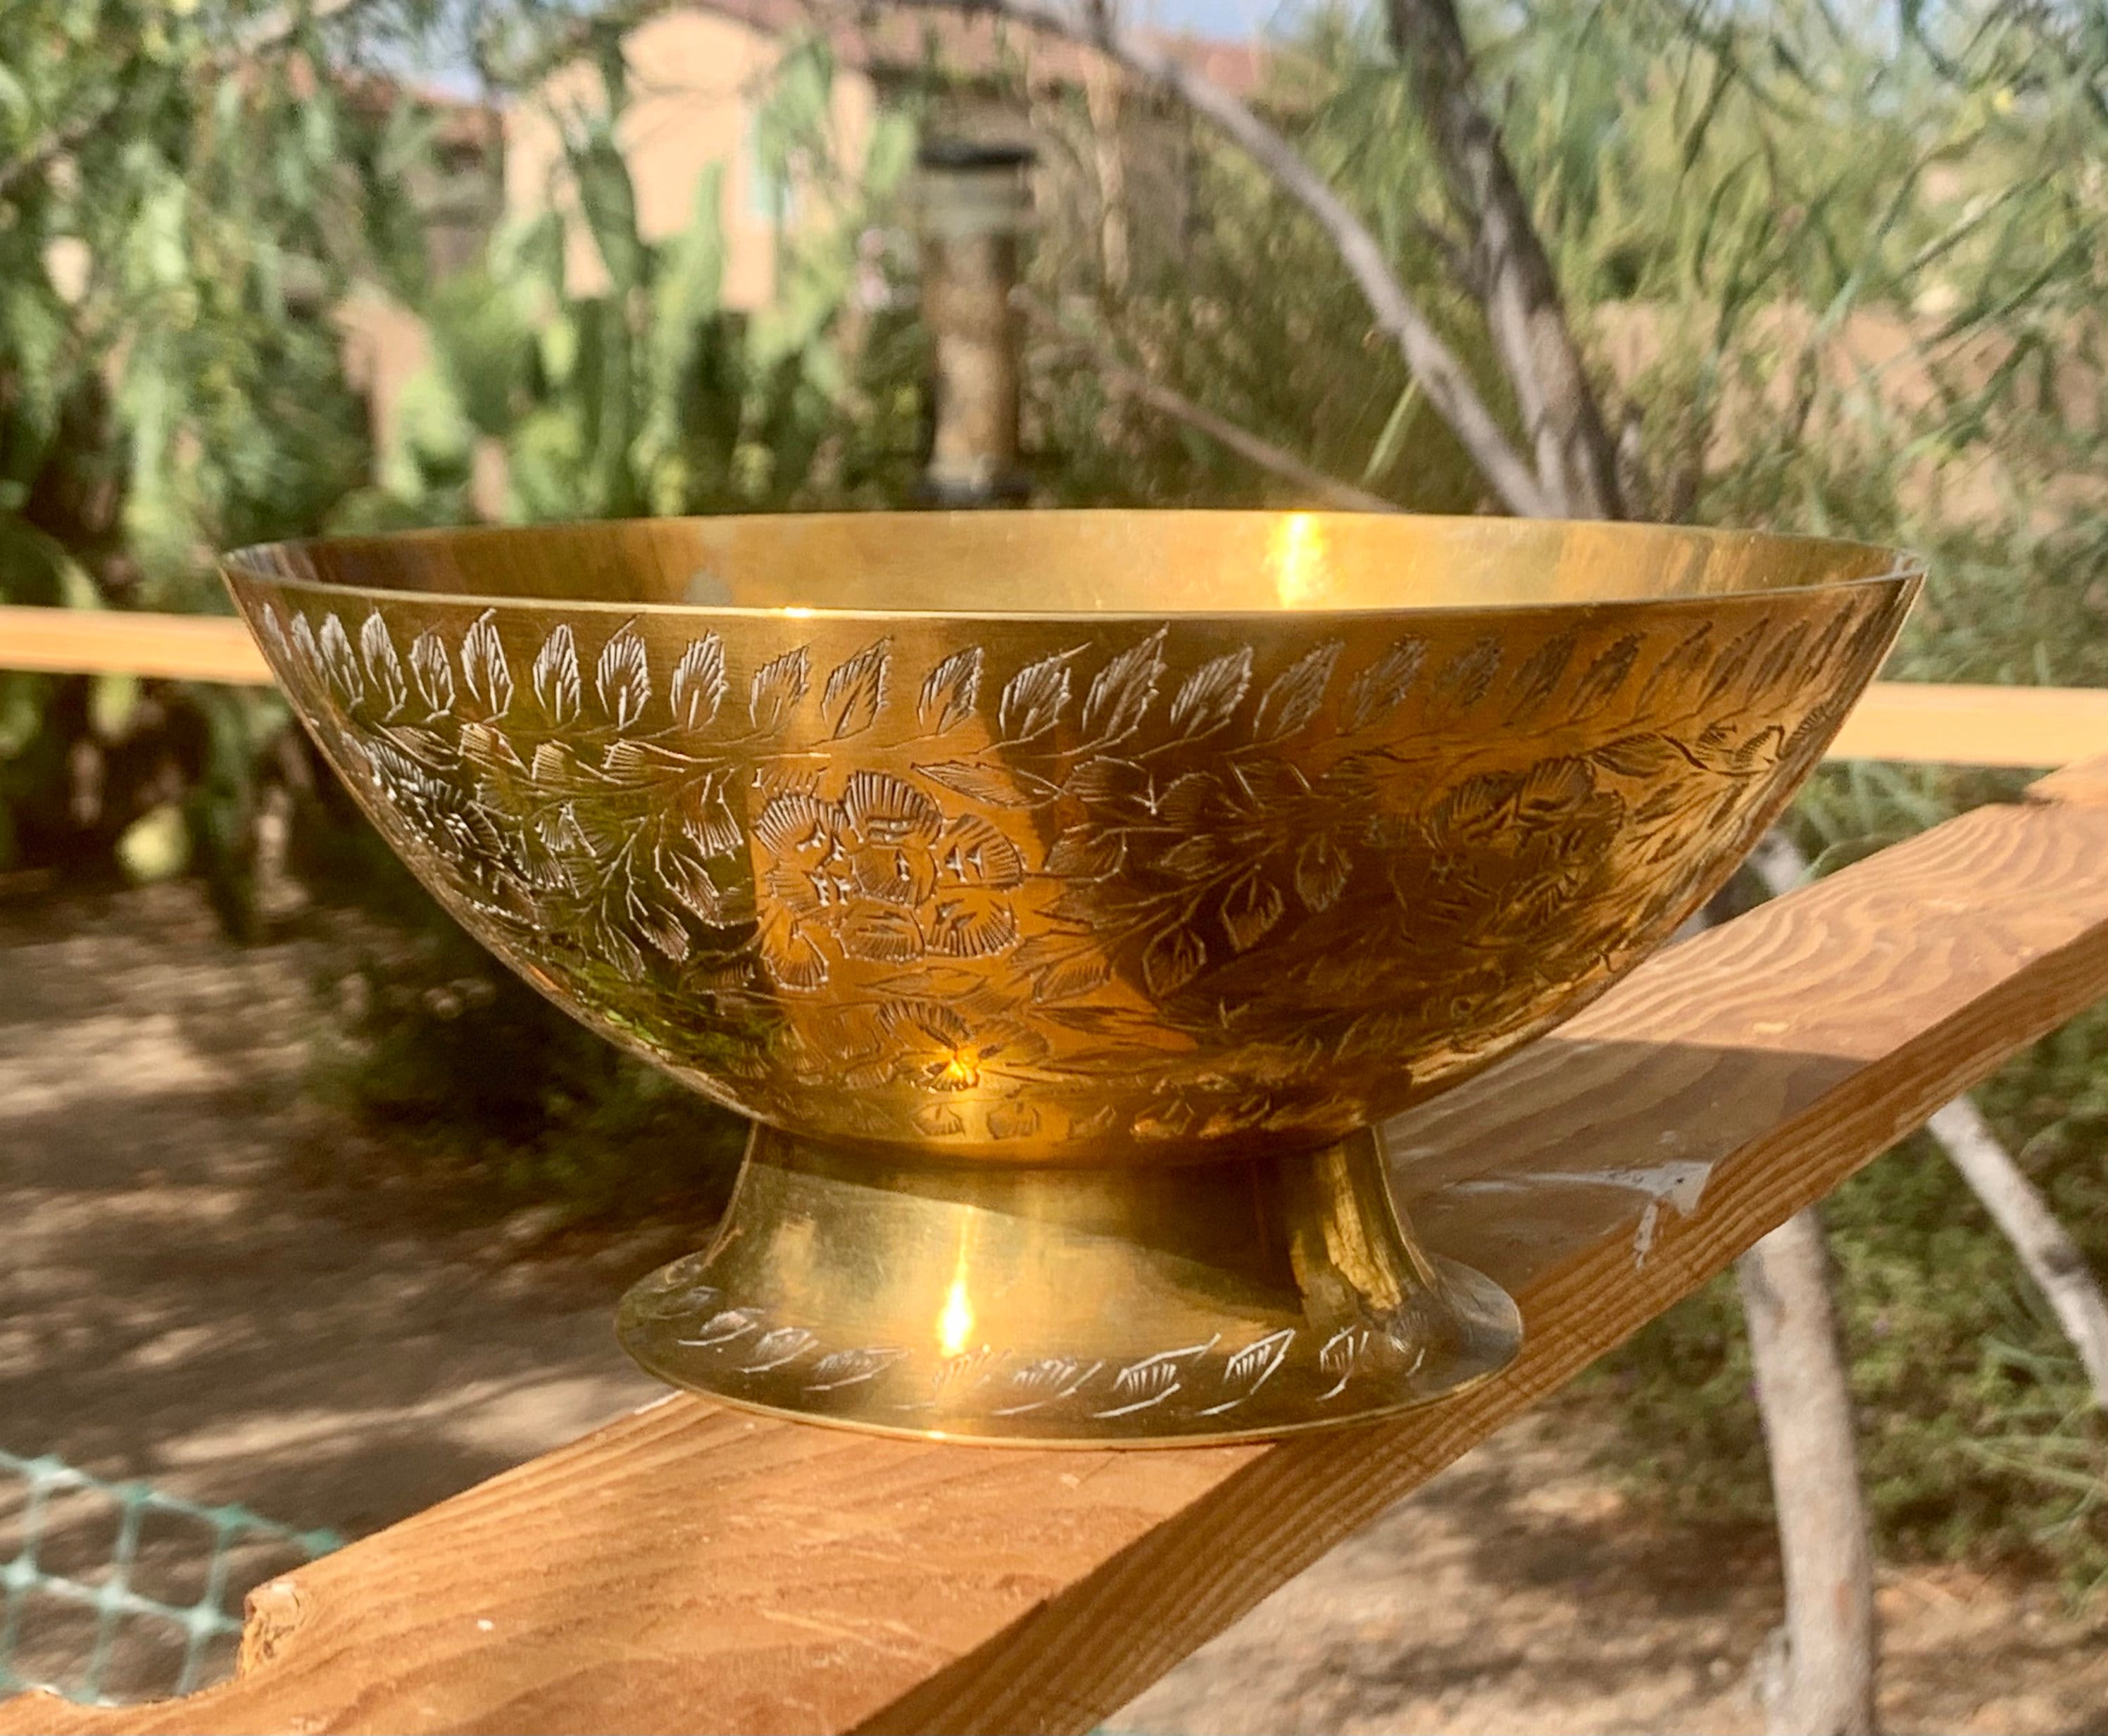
(1068, 896)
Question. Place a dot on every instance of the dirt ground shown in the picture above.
(180, 1301)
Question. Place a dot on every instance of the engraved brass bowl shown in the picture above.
(1067, 897)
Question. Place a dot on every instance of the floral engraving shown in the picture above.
(1080, 888)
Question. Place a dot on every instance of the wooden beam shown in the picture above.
(90, 641)
(691, 1568)
(1931, 723)
(1920, 721)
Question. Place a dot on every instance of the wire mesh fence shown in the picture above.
(115, 1592)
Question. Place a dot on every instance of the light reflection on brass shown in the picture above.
(1068, 894)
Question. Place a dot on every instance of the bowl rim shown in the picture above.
(256, 563)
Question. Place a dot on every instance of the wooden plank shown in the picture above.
(1934, 724)
(1920, 721)
(690, 1569)
(82, 641)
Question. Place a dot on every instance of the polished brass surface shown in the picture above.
(1063, 840)
(1069, 1307)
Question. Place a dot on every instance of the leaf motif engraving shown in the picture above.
(304, 648)
(1780, 660)
(707, 817)
(1084, 852)
(999, 786)
(555, 676)
(1122, 693)
(273, 631)
(1035, 697)
(1465, 679)
(697, 687)
(1641, 754)
(1257, 1361)
(1107, 782)
(682, 871)
(1171, 960)
(1381, 689)
(484, 669)
(1061, 966)
(1205, 702)
(622, 679)
(1537, 680)
(950, 693)
(1252, 1367)
(774, 1348)
(1730, 664)
(1680, 665)
(434, 672)
(856, 691)
(778, 685)
(338, 661)
(1012, 1121)
(1603, 677)
(1294, 695)
(849, 1368)
(1322, 868)
(723, 1329)
(1253, 906)
(383, 667)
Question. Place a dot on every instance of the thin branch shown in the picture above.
(1245, 444)
(1431, 362)
(1805, 1401)
(2046, 1248)
(2052, 1258)
(1577, 462)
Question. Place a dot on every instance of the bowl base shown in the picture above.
(1086, 1307)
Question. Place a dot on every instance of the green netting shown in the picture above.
(184, 1634)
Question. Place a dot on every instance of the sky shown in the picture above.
(1229, 18)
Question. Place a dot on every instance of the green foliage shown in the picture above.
(646, 393)
(183, 204)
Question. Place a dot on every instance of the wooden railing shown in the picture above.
(688, 1567)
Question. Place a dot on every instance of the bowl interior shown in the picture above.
(1074, 563)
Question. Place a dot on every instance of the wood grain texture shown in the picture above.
(81, 642)
(691, 1568)
(1918, 721)
(1936, 724)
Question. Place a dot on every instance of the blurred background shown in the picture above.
(305, 1205)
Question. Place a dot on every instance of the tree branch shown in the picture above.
(1577, 465)
(1441, 375)
(1828, 1685)
(1160, 397)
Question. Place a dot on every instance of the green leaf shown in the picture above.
(156, 845)
(112, 698)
